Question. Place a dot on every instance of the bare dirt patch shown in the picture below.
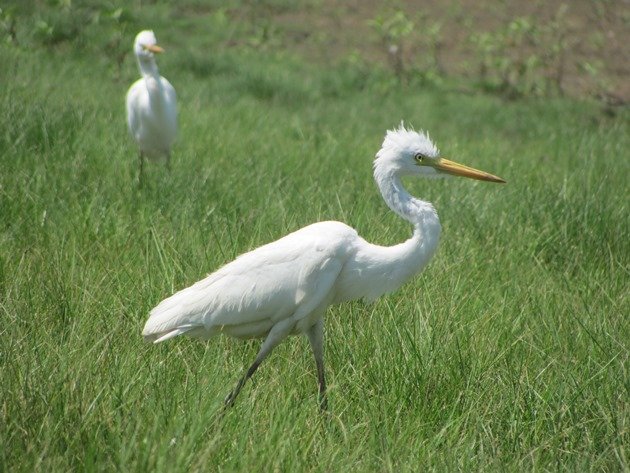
(596, 35)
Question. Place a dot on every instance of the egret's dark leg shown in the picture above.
(229, 400)
(316, 338)
(140, 167)
(277, 333)
(168, 161)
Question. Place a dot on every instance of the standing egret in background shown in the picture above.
(284, 287)
(151, 104)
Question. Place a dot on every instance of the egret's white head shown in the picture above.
(145, 45)
(402, 148)
(409, 152)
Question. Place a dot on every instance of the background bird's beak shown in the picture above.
(154, 48)
(456, 169)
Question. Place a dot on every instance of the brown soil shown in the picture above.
(597, 33)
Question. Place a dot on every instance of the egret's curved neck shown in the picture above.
(153, 82)
(148, 67)
(385, 268)
(376, 270)
(420, 214)
(417, 250)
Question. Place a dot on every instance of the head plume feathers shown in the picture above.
(406, 139)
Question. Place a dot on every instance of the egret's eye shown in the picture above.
(418, 157)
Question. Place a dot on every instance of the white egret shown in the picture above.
(151, 104)
(284, 287)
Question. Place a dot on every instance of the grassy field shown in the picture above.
(510, 352)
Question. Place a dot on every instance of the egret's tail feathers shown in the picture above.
(163, 336)
(185, 312)
(179, 314)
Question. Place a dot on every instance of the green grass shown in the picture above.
(509, 352)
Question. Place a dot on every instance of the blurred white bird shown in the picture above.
(151, 105)
(284, 287)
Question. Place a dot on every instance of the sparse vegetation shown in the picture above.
(524, 58)
(392, 29)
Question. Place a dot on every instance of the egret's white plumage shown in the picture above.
(284, 287)
(151, 104)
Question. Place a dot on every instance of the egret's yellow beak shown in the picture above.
(456, 169)
(154, 48)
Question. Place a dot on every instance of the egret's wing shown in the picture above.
(170, 96)
(131, 102)
(287, 278)
(170, 104)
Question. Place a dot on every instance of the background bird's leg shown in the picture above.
(316, 338)
(140, 167)
(277, 333)
(168, 162)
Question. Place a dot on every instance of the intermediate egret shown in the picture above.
(284, 287)
(151, 105)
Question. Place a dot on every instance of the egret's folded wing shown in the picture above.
(132, 103)
(289, 277)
